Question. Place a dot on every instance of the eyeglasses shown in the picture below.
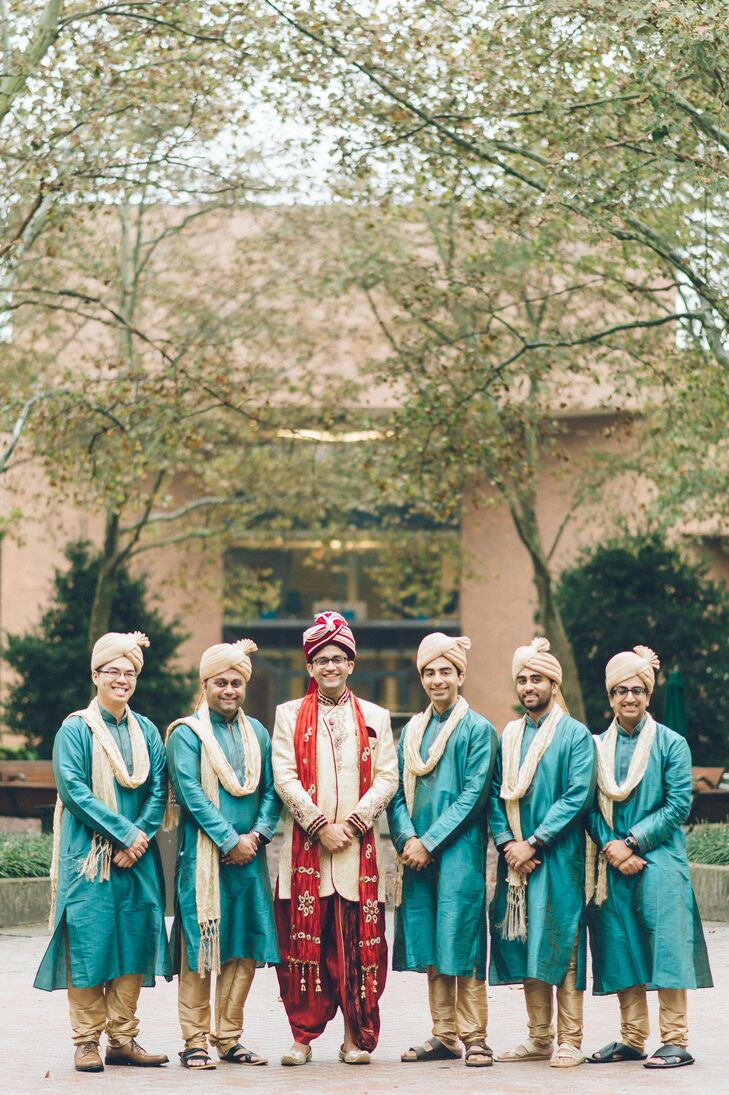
(120, 674)
(338, 661)
(622, 691)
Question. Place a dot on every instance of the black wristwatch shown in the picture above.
(631, 842)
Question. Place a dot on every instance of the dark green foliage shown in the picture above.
(641, 592)
(708, 844)
(52, 660)
(25, 856)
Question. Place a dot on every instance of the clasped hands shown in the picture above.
(521, 856)
(245, 851)
(335, 837)
(127, 857)
(622, 858)
(415, 855)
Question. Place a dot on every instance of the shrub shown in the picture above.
(52, 660)
(25, 856)
(708, 844)
(640, 591)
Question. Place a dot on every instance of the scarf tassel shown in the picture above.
(514, 924)
(208, 955)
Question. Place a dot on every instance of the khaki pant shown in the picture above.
(110, 1007)
(232, 986)
(539, 997)
(458, 1008)
(672, 1017)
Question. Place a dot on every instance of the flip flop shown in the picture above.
(239, 1055)
(674, 1056)
(613, 1053)
(525, 1051)
(432, 1050)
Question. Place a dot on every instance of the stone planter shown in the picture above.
(711, 886)
(24, 901)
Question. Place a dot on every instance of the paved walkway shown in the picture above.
(38, 1054)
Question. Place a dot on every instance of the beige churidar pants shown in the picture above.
(110, 1007)
(672, 1017)
(458, 1008)
(539, 996)
(232, 986)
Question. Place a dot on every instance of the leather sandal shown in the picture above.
(525, 1051)
(239, 1055)
(567, 1056)
(673, 1056)
(432, 1050)
(613, 1053)
(476, 1050)
(188, 1057)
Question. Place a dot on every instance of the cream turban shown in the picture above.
(118, 644)
(641, 662)
(224, 656)
(536, 657)
(438, 645)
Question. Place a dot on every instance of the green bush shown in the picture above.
(708, 844)
(25, 856)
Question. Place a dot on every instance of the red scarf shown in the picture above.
(305, 942)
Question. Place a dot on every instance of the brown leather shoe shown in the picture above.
(133, 1054)
(87, 1058)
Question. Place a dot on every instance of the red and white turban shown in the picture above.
(329, 627)
(119, 644)
(641, 662)
(437, 645)
(224, 656)
(537, 658)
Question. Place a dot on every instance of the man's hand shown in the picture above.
(138, 846)
(633, 865)
(415, 855)
(617, 852)
(243, 852)
(521, 856)
(123, 859)
(335, 838)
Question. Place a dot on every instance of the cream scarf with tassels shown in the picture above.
(414, 765)
(107, 769)
(214, 770)
(609, 791)
(516, 779)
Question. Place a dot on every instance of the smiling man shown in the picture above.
(335, 768)
(438, 825)
(645, 929)
(107, 911)
(544, 781)
(220, 768)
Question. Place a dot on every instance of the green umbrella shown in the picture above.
(674, 714)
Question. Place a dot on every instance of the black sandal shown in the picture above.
(187, 1056)
(239, 1055)
(432, 1050)
(674, 1056)
(613, 1053)
(479, 1049)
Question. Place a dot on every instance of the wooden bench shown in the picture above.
(27, 789)
(709, 800)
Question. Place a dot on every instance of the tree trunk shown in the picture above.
(550, 617)
(112, 557)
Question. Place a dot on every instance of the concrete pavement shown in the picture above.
(38, 1055)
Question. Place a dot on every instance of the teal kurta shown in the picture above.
(442, 919)
(115, 927)
(247, 928)
(648, 932)
(551, 809)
